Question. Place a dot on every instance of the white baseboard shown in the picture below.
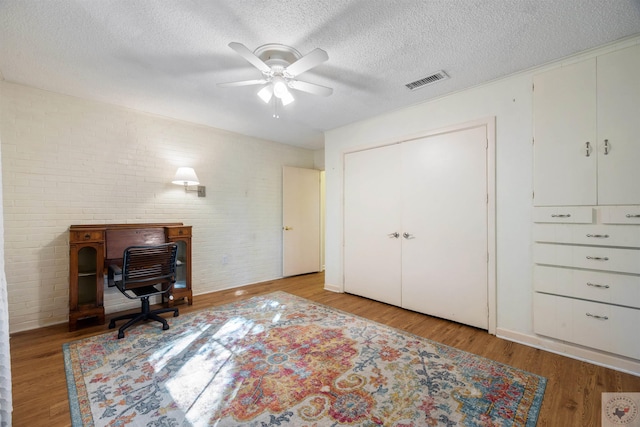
(623, 364)
(332, 288)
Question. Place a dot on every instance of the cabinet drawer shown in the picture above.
(179, 231)
(588, 234)
(599, 286)
(620, 215)
(601, 326)
(594, 258)
(86, 236)
(568, 214)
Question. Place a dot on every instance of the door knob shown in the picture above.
(408, 236)
(285, 228)
(395, 235)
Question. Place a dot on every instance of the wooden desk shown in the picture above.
(92, 248)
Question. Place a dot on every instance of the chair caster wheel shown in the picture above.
(165, 327)
(176, 314)
(112, 324)
(120, 335)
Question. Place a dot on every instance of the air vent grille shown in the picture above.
(435, 77)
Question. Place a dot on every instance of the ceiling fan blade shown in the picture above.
(310, 88)
(243, 51)
(312, 59)
(243, 83)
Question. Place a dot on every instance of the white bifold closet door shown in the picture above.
(372, 258)
(432, 192)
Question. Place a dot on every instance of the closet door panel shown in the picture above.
(372, 257)
(619, 125)
(444, 206)
(564, 109)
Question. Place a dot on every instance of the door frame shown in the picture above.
(490, 127)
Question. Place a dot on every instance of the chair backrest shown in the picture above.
(149, 265)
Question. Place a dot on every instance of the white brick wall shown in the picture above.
(72, 161)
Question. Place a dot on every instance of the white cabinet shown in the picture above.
(564, 112)
(587, 132)
(587, 202)
(415, 222)
(587, 277)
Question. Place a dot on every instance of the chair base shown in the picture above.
(145, 314)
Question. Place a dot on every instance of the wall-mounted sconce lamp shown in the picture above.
(187, 177)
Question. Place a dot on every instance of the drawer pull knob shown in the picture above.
(560, 215)
(597, 258)
(633, 215)
(87, 236)
(595, 316)
(595, 285)
(599, 236)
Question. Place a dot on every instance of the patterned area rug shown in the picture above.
(280, 360)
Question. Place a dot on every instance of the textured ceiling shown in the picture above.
(167, 56)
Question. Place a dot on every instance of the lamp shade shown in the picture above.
(186, 176)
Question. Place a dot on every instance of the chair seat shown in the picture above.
(146, 291)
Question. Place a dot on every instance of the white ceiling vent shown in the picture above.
(435, 77)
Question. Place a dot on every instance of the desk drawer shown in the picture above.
(599, 286)
(179, 231)
(77, 236)
(587, 234)
(601, 326)
(594, 258)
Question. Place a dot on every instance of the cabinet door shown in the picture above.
(564, 112)
(444, 212)
(372, 258)
(619, 126)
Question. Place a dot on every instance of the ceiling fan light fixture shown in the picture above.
(280, 87)
(287, 98)
(280, 65)
(266, 93)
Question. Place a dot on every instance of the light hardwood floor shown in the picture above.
(572, 397)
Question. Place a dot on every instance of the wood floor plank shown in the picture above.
(572, 398)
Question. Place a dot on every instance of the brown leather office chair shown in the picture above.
(145, 271)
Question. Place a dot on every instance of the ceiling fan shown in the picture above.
(280, 65)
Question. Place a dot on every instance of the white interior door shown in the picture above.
(444, 213)
(301, 221)
(371, 218)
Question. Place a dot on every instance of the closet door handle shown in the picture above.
(395, 235)
(595, 316)
(408, 236)
(595, 285)
(597, 258)
(588, 148)
(598, 236)
(607, 147)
